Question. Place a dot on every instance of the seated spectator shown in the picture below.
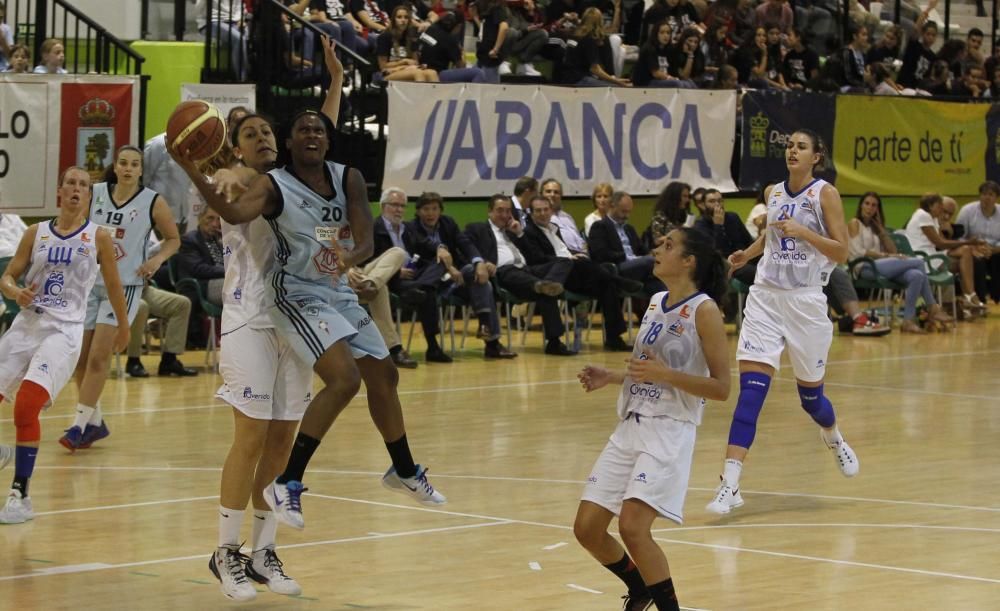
(717, 50)
(613, 240)
(757, 217)
(163, 175)
(525, 188)
(586, 277)
(493, 19)
(972, 84)
(176, 311)
(501, 241)
(776, 12)
(228, 29)
(982, 221)
(589, 61)
(570, 232)
(843, 300)
(375, 21)
(887, 48)
(334, 18)
(671, 210)
(686, 61)
(652, 68)
(20, 59)
(389, 265)
(953, 53)
(680, 14)
(918, 57)
(923, 233)
(396, 49)
(440, 50)
(53, 57)
(6, 41)
(868, 237)
(601, 198)
(728, 78)
(751, 61)
(853, 58)
(525, 39)
(938, 81)
(200, 256)
(440, 243)
(800, 67)
(879, 78)
(12, 228)
(727, 230)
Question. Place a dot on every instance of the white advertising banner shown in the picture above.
(225, 97)
(476, 140)
(50, 122)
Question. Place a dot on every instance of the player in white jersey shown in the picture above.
(679, 359)
(128, 211)
(266, 382)
(318, 313)
(806, 237)
(59, 262)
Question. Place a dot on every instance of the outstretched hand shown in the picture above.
(593, 378)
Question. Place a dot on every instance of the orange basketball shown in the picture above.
(198, 128)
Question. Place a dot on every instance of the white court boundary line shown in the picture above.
(827, 497)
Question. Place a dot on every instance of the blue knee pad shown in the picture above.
(753, 391)
(817, 405)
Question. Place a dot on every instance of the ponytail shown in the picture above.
(710, 269)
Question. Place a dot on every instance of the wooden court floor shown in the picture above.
(130, 523)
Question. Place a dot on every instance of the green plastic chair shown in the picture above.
(210, 309)
(11, 307)
(938, 267)
(876, 282)
(742, 290)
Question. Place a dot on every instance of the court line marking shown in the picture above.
(126, 505)
(534, 566)
(829, 525)
(583, 589)
(574, 482)
(747, 550)
(99, 566)
(222, 405)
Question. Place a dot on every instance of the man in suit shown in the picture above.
(727, 229)
(200, 256)
(587, 278)
(552, 190)
(524, 189)
(371, 279)
(613, 240)
(501, 242)
(450, 262)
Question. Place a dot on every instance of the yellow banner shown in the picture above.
(906, 146)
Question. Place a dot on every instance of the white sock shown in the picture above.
(833, 436)
(96, 418)
(230, 521)
(265, 526)
(731, 471)
(83, 414)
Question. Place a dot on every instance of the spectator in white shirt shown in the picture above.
(981, 221)
(552, 191)
(11, 230)
(924, 234)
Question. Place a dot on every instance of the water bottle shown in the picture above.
(412, 263)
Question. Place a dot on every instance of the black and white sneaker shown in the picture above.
(227, 564)
(265, 567)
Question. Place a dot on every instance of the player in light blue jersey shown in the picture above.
(129, 212)
(806, 237)
(322, 224)
(58, 262)
(680, 359)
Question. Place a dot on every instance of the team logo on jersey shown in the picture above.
(364, 322)
(326, 234)
(238, 294)
(806, 205)
(326, 262)
(84, 237)
(787, 244)
(647, 391)
(132, 214)
(685, 311)
(304, 204)
(820, 363)
(811, 192)
(641, 478)
(747, 346)
(249, 394)
(592, 479)
(100, 211)
(83, 251)
(42, 247)
(676, 328)
(228, 251)
(324, 327)
(44, 367)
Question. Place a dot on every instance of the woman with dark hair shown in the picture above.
(653, 68)
(686, 60)
(671, 210)
(679, 360)
(396, 50)
(680, 14)
(805, 239)
(751, 60)
(130, 211)
(869, 238)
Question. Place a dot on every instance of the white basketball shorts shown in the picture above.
(39, 349)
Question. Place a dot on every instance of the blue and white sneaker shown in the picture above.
(93, 433)
(71, 440)
(285, 500)
(417, 486)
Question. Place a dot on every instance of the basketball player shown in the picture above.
(323, 234)
(129, 211)
(806, 237)
(266, 382)
(679, 360)
(59, 260)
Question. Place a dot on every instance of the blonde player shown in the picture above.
(59, 260)
(265, 381)
(806, 237)
(679, 360)
(128, 211)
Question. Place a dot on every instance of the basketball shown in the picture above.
(198, 128)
